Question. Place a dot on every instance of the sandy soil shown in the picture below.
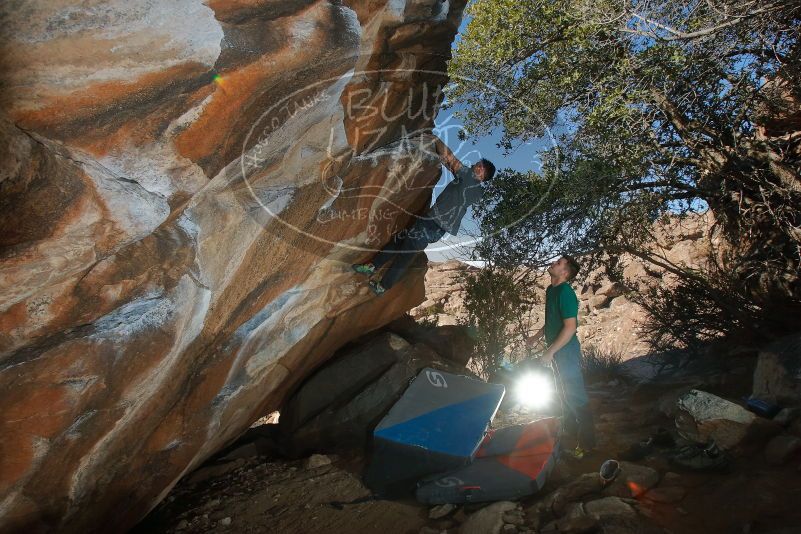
(262, 495)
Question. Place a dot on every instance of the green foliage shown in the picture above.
(498, 311)
(702, 306)
(434, 310)
(649, 107)
(427, 321)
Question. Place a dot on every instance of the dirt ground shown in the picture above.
(751, 497)
(263, 493)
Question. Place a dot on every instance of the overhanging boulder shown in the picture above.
(180, 205)
(331, 412)
(338, 381)
(452, 342)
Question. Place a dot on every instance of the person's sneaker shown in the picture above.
(377, 288)
(700, 458)
(363, 268)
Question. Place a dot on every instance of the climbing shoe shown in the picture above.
(363, 268)
(377, 288)
(701, 458)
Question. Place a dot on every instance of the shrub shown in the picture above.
(498, 311)
(655, 107)
(699, 307)
(597, 364)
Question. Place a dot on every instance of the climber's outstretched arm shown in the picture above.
(446, 156)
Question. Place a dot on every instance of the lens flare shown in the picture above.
(534, 390)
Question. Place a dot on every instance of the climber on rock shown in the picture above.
(444, 216)
(563, 352)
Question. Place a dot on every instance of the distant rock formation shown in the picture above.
(608, 319)
(183, 187)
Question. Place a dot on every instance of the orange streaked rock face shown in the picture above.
(183, 186)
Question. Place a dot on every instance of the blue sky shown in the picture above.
(523, 158)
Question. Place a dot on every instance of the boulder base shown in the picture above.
(185, 185)
(702, 417)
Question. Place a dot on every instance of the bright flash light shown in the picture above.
(534, 390)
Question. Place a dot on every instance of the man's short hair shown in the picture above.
(490, 168)
(572, 266)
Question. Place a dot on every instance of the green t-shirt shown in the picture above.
(560, 303)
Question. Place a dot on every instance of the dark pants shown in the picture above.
(577, 416)
(403, 246)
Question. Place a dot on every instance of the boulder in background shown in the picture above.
(703, 417)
